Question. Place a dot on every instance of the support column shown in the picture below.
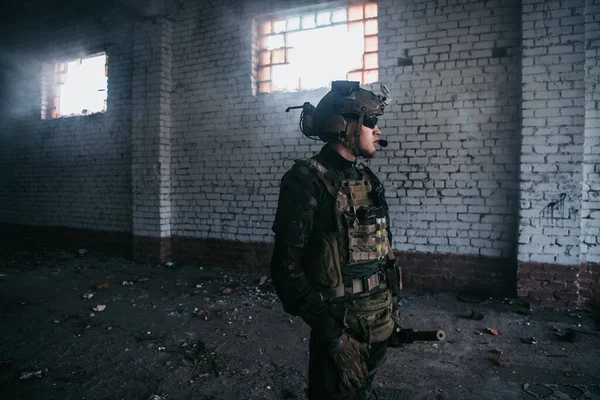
(551, 151)
(151, 141)
(590, 195)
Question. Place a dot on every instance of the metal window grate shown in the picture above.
(276, 44)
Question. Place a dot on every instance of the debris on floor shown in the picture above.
(31, 374)
(205, 332)
(492, 331)
(500, 360)
(529, 340)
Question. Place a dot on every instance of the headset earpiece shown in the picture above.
(335, 124)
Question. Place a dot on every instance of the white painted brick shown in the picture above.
(454, 131)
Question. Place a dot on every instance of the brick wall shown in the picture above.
(71, 172)
(552, 142)
(451, 167)
(590, 201)
(230, 147)
(558, 153)
(188, 158)
(450, 170)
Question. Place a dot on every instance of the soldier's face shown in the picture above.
(367, 142)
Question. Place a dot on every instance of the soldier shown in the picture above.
(332, 262)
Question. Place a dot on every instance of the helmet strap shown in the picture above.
(359, 125)
(356, 134)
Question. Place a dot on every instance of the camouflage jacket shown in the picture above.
(305, 207)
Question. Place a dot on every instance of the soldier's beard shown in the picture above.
(366, 153)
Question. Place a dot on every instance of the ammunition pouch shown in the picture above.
(322, 266)
(393, 275)
(368, 318)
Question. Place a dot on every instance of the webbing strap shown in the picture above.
(366, 241)
(356, 256)
(331, 181)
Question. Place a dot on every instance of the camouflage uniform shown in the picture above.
(305, 213)
(332, 262)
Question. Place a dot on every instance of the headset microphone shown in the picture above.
(382, 142)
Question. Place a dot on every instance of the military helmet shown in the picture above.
(346, 101)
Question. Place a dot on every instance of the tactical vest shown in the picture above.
(364, 221)
(361, 236)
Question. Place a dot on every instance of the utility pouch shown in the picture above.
(322, 266)
(393, 274)
(368, 318)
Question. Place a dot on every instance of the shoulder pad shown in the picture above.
(331, 181)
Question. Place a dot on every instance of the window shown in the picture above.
(309, 50)
(76, 87)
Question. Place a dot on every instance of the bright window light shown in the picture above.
(309, 51)
(80, 87)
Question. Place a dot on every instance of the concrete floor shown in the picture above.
(201, 332)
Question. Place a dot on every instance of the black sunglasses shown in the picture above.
(370, 121)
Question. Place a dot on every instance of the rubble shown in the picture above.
(189, 339)
(31, 374)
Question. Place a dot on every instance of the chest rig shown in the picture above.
(366, 223)
(360, 218)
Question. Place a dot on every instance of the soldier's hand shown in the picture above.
(348, 357)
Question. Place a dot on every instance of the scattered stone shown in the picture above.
(188, 311)
(82, 252)
(500, 360)
(529, 340)
(401, 302)
(101, 286)
(31, 374)
(99, 308)
(171, 265)
(88, 295)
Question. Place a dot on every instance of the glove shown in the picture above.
(348, 357)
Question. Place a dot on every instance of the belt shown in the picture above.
(359, 285)
(365, 284)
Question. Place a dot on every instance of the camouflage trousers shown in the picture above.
(323, 378)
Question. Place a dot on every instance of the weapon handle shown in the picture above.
(427, 336)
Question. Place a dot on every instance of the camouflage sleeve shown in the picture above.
(298, 199)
